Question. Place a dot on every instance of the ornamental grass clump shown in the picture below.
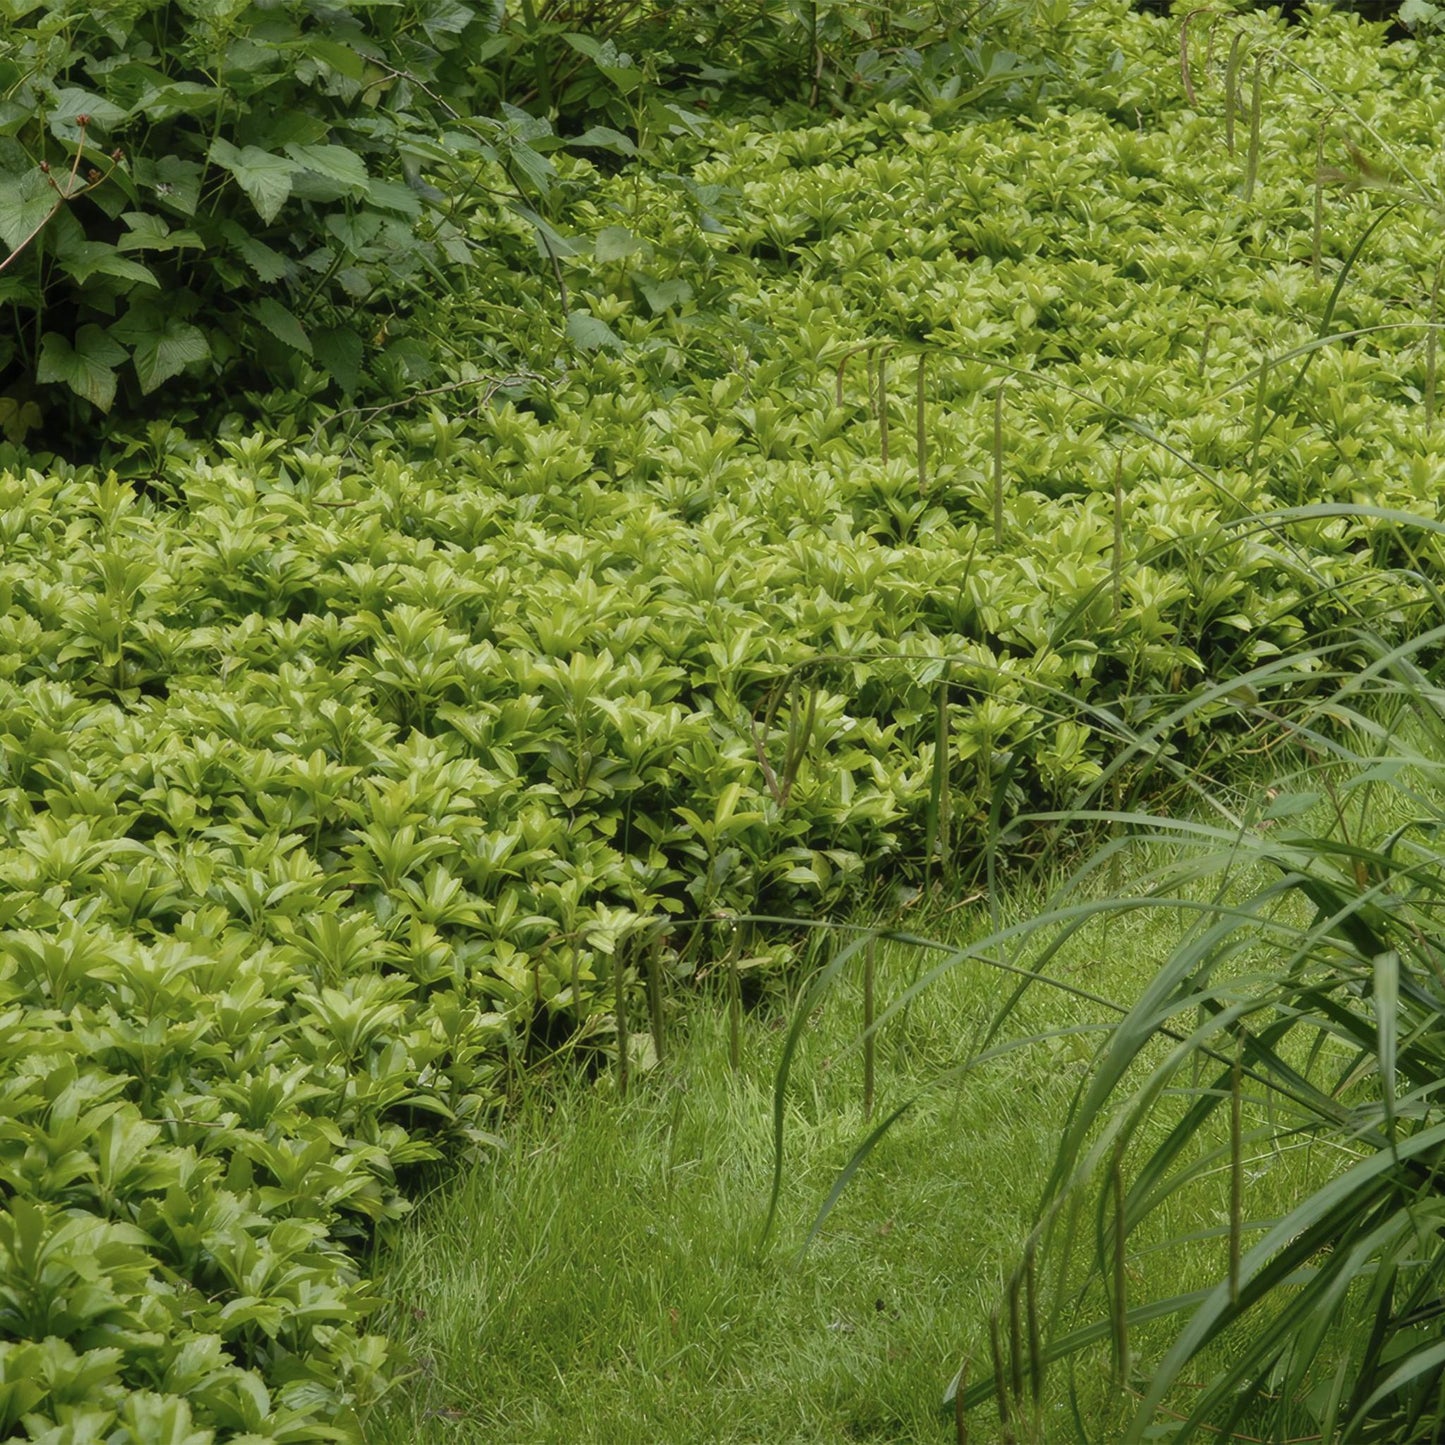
(1300, 1010)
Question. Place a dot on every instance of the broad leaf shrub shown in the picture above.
(197, 200)
(342, 773)
(216, 192)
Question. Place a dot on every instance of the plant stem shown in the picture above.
(870, 963)
(1231, 80)
(922, 441)
(998, 462)
(619, 994)
(1251, 165)
(1432, 347)
(883, 405)
(654, 997)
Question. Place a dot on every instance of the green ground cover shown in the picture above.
(601, 1278)
(347, 772)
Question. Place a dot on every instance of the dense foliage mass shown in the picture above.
(200, 199)
(899, 467)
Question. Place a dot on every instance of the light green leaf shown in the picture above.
(264, 177)
(603, 137)
(179, 97)
(343, 59)
(268, 264)
(72, 102)
(87, 367)
(590, 334)
(663, 295)
(282, 324)
(613, 243)
(84, 259)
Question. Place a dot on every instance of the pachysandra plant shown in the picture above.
(334, 759)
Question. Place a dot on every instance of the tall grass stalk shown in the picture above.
(870, 1038)
(998, 461)
(655, 1001)
(1116, 561)
(1251, 164)
(883, 405)
(1300, 1004)
(619, 1004)
(1432, 340)
(1231, 88)
(921, 419)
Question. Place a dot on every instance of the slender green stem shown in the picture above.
(624, 1042)
(1236, 1169)
(654, 997)
(1432, 348)
(1251, 165)
(1231, 93)
(870, 964)
(883, 405)
(998, 462)
(920, 415)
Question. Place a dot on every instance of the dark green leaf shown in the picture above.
(338, 351)
(265, 178)
(282, 324)
(87, 367)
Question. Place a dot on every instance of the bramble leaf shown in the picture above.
(264, 177)
(87, 367)
(282, 324)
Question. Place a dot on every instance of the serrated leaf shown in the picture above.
(175, 182)
(84, 259)
(264, 177)
(663, 295)
(27, 201)
(178, 97)
(340, 58)
(282, 324)
(393, 196)
(336, 163)
(87, 367)
(338, 352)
(534, 165)
(590, 334)
(603, 137)
(17, 418)
(71, 102)
(150, 233)
(268, 264)
(167, 351)
(614, 243)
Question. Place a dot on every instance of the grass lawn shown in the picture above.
(600, 1279)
